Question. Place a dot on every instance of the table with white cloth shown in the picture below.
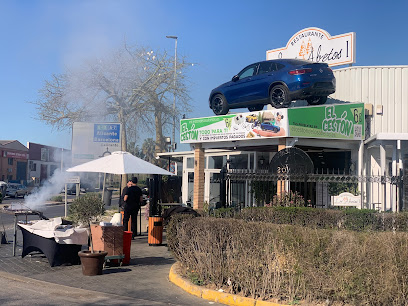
(59, 243)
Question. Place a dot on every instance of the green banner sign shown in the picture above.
(241, 126)
(341, 121)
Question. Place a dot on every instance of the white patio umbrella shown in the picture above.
(119, 162)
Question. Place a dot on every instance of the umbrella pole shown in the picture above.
(103, 188)
(120, 192)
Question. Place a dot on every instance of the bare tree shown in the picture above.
(131, 85)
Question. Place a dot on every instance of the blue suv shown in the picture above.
(275, 82)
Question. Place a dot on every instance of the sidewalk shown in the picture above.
(145, 280)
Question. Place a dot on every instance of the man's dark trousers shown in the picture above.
(131, 212)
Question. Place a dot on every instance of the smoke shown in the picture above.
(51, 187)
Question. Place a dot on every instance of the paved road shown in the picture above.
(15, 290)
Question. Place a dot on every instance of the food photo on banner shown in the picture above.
(241, 126)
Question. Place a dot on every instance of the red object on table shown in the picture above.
(127, 242)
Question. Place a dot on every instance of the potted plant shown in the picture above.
(84, 210)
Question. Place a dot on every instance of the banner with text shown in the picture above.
(251, 125)
(316, 45)
(94, 140)
(341, 121)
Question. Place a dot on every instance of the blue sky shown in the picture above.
(41, 38)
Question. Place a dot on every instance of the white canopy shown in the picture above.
(119, 162)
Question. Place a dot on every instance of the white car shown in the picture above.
(16, 190)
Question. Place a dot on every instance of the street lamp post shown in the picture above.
(174, 101)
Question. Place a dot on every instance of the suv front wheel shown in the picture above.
(219, 105)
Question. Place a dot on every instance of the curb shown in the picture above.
(213, 295)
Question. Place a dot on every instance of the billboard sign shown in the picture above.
(94, 140)
(341, 121)
(318, 46)
(242, 126)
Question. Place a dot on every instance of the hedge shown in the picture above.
(291, 263)
(351, 219)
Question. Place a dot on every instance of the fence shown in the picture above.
(376, 191)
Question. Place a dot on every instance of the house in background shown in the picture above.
(45, 160)
(13, 161)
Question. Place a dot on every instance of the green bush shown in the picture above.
(288, 199)
(87, 208)
(57, 198)
(350, 219)
(291, 263)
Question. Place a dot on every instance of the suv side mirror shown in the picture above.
(235, 78)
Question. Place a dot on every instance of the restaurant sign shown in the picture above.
(346, 199)
(242, 126)
(341, 121)
(318, 46)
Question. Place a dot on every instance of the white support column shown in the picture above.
(393, 196)
(360, 171)
(383, 168)
(184, 185)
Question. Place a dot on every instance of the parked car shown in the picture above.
(16, 190)
(275, 82)
(71, 189)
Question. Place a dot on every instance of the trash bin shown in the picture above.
(155, 236)
(107, 197)
(127, 242)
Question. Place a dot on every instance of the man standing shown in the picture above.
(133, 198)
(122, 197)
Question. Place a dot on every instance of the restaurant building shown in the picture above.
(359, 135)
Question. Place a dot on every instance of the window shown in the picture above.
(10, 161)
(33, 166)
(279, 66)
(44, 154)
(239, 161)
(53, 168)
(266, 67)
(216, 162)
(248, 71)
(190, 186)
(190, 162)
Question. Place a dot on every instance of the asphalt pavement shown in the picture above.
(143, 282)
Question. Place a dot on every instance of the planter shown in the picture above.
(92, 263)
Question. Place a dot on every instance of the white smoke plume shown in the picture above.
(51, 187)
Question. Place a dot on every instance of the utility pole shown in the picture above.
(174, 101)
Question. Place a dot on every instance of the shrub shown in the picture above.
(57, 198)
(350, 219)
(87, 208)
(288, 199)
(290, 263)
(223, 212)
